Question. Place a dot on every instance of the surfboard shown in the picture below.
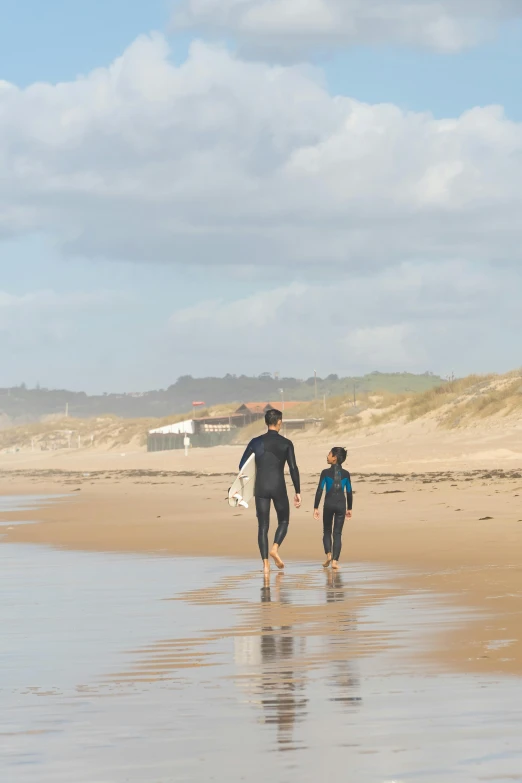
(242, 490)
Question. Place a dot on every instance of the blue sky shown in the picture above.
(426, 81)
(200, 253)
(57, 40)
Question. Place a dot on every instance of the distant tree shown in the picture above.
(332, 377)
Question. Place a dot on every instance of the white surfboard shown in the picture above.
(242, 490)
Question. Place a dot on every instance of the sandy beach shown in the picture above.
(139, 623)
(457, 531)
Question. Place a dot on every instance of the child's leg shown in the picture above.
(337, 535)
(328, 516)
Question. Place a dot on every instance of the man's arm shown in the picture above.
(248, 453)
(320, 487)
(294, 470)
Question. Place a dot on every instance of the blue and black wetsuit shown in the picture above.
(339, 497)
(272, 452)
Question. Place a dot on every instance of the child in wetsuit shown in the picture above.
(337, 507)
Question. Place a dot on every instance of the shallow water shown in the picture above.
(123, 668)
(23, 503)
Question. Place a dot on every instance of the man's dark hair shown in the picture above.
(272, 417)
(340, 453)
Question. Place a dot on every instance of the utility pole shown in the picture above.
(66, 409)
(315, 384)
(282, 392)
(324, 402)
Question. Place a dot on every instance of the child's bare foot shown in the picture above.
(266, 567)
(335, 565)
(327, 563)
(275, 555)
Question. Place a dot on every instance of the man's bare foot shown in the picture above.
(274, 553)
(335, 565)
(328, 562)
(266, 567)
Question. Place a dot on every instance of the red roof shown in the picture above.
(288, 404)
(254, 407)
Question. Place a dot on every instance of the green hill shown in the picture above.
(20, 404)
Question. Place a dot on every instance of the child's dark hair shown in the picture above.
(340, 453)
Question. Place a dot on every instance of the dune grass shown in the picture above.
(58, 432)
(499, 397)
(428, 402)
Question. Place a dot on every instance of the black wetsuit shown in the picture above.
(337, 482)
(272, 452)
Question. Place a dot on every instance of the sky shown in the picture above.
(239, 186)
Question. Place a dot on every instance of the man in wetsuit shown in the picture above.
(272, 452)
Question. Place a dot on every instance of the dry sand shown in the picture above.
(443, 507)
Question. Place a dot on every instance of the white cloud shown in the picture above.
(219, 162)
(289, 28)
(37, 317)
(382, 346)
(414, 317)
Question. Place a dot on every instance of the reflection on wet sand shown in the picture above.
(288, 623)
(266, 665)
(250, 668)
(282, 690)
(279, 660)
(341, 678)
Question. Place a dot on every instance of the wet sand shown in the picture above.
(456, 533)
(141, 643)
(137, 668)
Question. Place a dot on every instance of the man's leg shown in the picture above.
(328, 516)
(263, 521)
(282, 507)
(337, 537)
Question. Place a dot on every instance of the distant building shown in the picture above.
(217, 430)
(179, 428)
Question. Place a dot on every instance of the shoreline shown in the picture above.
(453, 534)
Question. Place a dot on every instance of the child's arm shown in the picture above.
(320, 487)
(349, 492)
